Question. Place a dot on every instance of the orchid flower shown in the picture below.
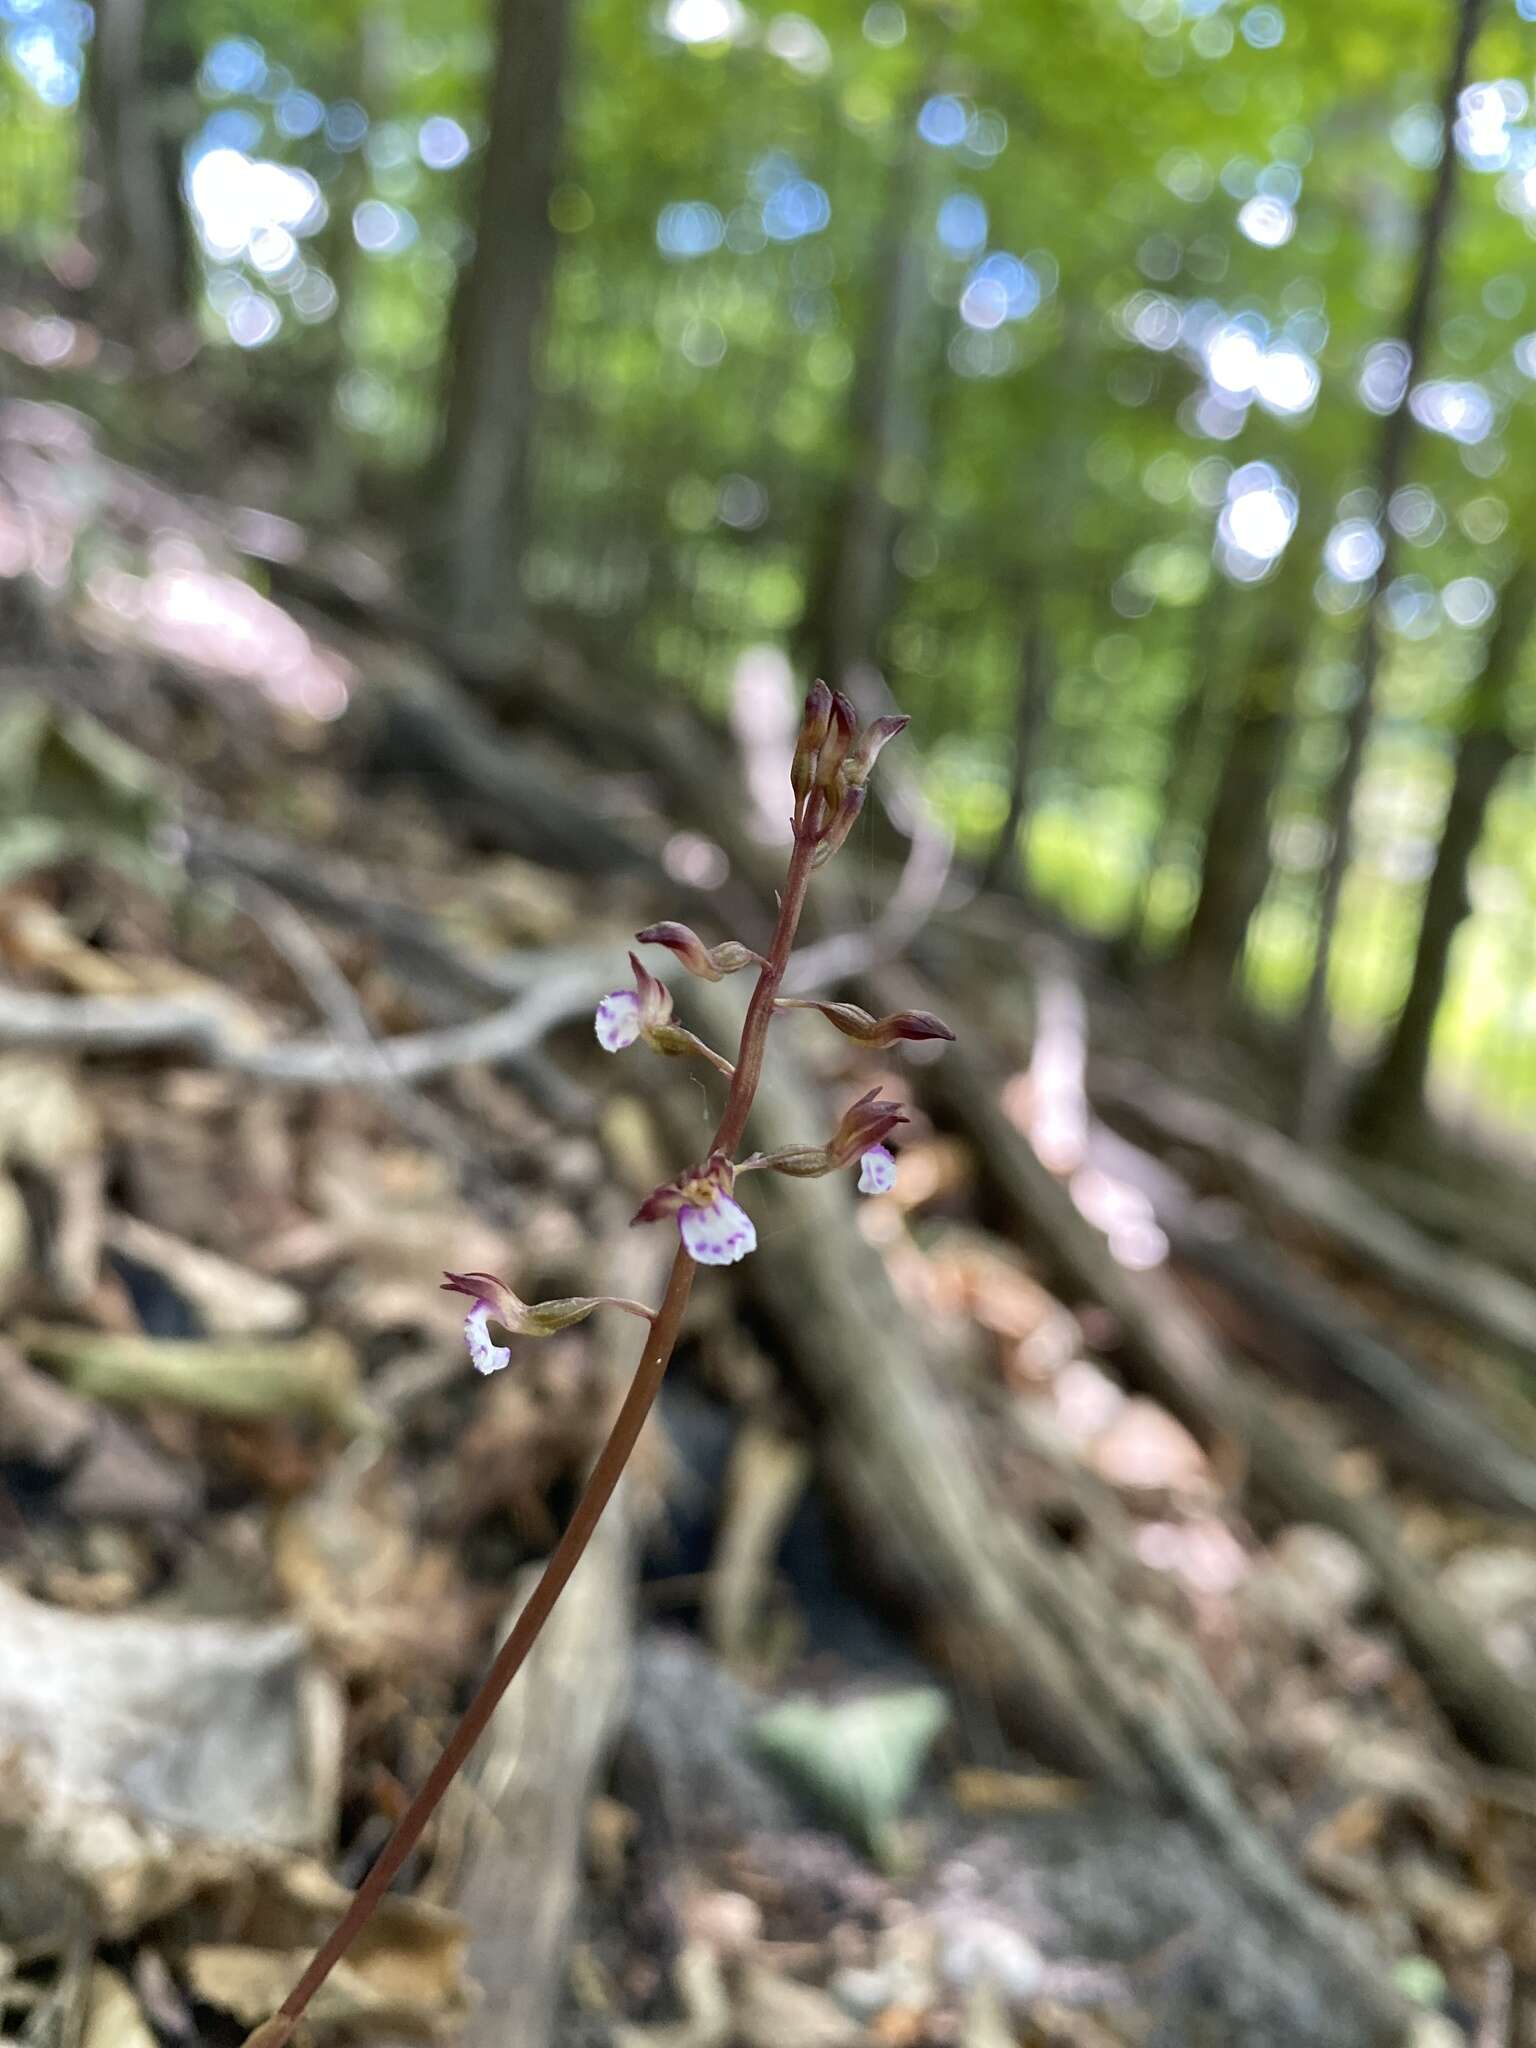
(645, 1011)
(877, 1171)
(859, 1135)
(493, 1298)
(715, 1229)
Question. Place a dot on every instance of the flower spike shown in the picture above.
(494, 1300)
(710, 963)
(877, 1032)
(830, 771)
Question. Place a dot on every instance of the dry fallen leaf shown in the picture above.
(112, 2015)
(228, 1299)
(406, 1970)
(148, 1755)
(776, 2012)
(345, 1557)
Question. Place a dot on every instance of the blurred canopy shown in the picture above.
(1058, 359)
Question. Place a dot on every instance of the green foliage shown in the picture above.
(1151, 182)
(69, 788)
(859, 1759)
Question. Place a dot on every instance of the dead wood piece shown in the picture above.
(764, 1483)
(547, 1739)
(315, 1375)
(322, 884)
(1285, 1177)
(1180, 1361)
(1102, 1696)
(922, 1485)
(117, 1024)
(1447, 1213)
(1437, 1434)
(433, 729)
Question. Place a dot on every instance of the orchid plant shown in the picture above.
(829, 779)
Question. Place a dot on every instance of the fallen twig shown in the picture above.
(119, 1024)
(314, 1375)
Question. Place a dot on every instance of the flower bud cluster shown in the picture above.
(832, 762)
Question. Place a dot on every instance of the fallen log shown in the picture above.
(1100, 1693)
(1177, 1357)
(1439, 1436)
(1459, 1216)
(1286, 1179)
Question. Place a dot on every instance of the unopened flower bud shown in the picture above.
(864, 1123)
(834, 749)
(844, 819)
(799, 1162)
(865, 751)
(710, 963)
(814, 721)
(877, 1032)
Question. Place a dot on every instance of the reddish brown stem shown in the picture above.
(606, 1473)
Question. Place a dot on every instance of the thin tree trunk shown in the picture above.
(1312, 1106)
(137, 228)
(1394, 1093)
(1031, 703)
(851, 592)
(1182, 790)
(1234, 869)
(482, 519)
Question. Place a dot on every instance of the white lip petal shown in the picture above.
(484, 1355)
(719, 1234)
(618, 1020)
(877, 1172)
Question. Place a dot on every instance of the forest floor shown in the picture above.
(1087, 1597)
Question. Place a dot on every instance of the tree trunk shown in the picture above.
(1312, 1105)
(1394, 1093)
(1234, 869)
(848, 603)
(137, 227)
(482, 518)
(1183, 781)
(1031, 704)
